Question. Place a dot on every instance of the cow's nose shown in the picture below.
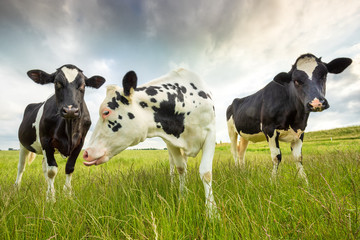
(317, 105)
(86, 155)
(70, 112)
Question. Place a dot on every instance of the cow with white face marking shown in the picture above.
(279, 111)
(59, 124)
(176, 107)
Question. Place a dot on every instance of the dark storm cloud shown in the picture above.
(235, 46)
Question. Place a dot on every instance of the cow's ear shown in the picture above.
(40, 76)
(95, 81)
(338, 65)
(129, 83)
(282, 78)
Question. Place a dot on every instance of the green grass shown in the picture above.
(131, 197)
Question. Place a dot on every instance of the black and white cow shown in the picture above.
(59, 124)
(279, 111)
(176, 107)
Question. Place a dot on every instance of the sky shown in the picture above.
(236, 47)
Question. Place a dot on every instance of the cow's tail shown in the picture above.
(229, 112)
(30, 158)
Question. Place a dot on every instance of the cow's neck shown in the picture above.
(301, 116)
(71, 134)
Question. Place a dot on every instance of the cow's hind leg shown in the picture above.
(180, 162)
(233, 139)
(296, 151)
(172, 165)
(275, 152)
(243, 144)
(206, 172)
(24, 154)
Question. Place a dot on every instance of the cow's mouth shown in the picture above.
(89, 162)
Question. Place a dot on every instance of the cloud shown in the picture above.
(235, 46)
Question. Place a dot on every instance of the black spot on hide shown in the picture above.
(153, 100)
(203, 94)
(114, 101)
(115, 126)
(194, 87)
(143, 104)
(183, 89)
(171, 122)
(121, 98)
(152, 90)
(113, 104)
(131, 116)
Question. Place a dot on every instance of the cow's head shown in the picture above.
(307, 80)
(120, 124)
(70, 85)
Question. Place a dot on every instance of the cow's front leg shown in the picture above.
(205, 170)
(275, 151)
(296, 151)
(69, 169)
(52, 169)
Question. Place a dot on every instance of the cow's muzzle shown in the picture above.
(317, 105)
(70, 112)
(92, 159)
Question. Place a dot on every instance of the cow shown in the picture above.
(176, 107)
(280, 110)
(59, 124)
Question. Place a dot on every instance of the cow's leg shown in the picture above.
(69, 169)
(243, 143)
(275, 152)
(172, 165)
(206, 172)
(180, 163)
(51, 173)
(24, 153)
(233, 139)
(296, 151)
(44, 167)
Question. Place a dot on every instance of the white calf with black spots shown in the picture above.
(176, 107)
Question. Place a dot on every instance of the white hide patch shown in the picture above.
(257, 137)
(307, 64)
(285, 136)
(70, 74)
(289, 135)
(37, 145)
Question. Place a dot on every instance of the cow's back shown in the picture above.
(193, 113)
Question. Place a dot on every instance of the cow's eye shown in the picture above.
(58, 85)
(298, 82)
(81, 87)
(105, 113)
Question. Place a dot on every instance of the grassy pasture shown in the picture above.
(131, 197)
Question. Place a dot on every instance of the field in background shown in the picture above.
(131, 197)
